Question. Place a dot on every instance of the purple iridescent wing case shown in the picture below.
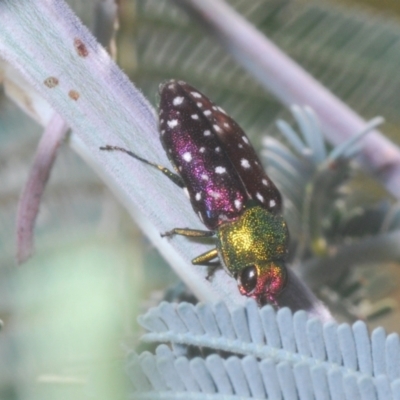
(212, 154)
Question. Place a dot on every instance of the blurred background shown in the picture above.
(70, 311)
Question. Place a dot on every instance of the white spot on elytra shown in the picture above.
(161, 121)
(217, 128)
(238, 204)
(240, 146)
(162, 132)
(171, 86)
(207, 112)
(214, 195)
(244, 138)
(264, 182)
(221, 109)
(214, 108)
(172, 123)
(186, 192)
(195, 116)
(204, 177)
(202, 149)
(218, 149)
(196, 94)
(244, 163)
(199, 104)
(220, 170)
(187, 156)
(177, 100)
(260, 197)
(169, 150)
(198, 196)
(272, 203)
(226, 125)
(207, 133)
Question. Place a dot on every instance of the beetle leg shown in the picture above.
(211, 271)
(188, 232)
(205, 257)
(169, 174)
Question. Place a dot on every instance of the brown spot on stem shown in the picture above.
(80, 48)
(51, 82)
(73, 94)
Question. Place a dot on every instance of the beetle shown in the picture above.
(228, 189)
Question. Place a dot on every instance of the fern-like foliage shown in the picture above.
(311, 176)
(333, 228)
(260, 353)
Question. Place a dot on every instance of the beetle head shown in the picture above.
(263, 281)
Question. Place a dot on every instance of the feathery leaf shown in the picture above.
(269, 355)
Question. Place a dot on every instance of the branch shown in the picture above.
(31, 196)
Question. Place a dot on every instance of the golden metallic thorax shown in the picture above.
(257, 237)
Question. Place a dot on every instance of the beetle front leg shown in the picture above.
(204, 259)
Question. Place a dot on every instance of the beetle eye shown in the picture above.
(247, 278)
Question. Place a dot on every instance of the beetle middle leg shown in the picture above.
(188, 232)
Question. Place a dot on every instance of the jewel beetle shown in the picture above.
(228, 188)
